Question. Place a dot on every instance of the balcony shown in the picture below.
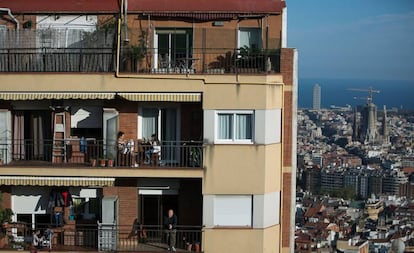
(168, 51)
(83, 237)
(201, 61)
(100, 153)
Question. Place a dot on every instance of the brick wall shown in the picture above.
(128, 118)
(5, 196)
(127, 204)
(287, 71)
(287, 129)
(286, 65)
(286, 209)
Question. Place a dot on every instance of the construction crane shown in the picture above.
(370, 91)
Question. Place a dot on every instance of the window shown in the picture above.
(250, 37)
(234, 127)
(233, 210)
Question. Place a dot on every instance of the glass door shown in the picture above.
(172, 47)
(5, 137)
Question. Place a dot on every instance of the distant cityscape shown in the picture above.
(355, 176)
(394, 94)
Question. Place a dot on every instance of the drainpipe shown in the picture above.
(126, 19)
(11, 15)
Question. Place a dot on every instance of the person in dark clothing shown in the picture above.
(170, 228)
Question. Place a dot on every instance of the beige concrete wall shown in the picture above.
(241, 240)
(97, 82)
(242, 169)
(242, 96)
(138, 83)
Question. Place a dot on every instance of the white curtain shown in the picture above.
(149, 122)
(225, 126)
(18, 136)
(243, 127)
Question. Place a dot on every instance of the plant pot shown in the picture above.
(110, 163)
(93, 162)
(102, 162)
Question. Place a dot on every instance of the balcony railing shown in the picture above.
(99, 153)
(102, 237)
(148, 61)
(202, 60)
(57, 60)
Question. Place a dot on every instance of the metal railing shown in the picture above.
(99, 153)
(102, 237)
(57, 60)
(148, 61)
(201, 60)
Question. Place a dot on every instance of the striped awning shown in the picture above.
(170, 97)
(55, 95)
(56, 181)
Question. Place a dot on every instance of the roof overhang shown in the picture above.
(55, 95)
(162, 97)
(57, 181)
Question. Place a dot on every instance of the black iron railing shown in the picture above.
(100, 153)
(147, 61)
(57, 60)
(101, 237)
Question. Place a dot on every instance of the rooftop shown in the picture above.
(112, 6)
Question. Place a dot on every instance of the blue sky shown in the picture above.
(356, 39)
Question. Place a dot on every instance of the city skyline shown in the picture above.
(353, 39)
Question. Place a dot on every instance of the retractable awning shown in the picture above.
(55, 95)
(167, 97)
(56, 181)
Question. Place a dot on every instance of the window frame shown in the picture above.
(243, 218)
(233, 139)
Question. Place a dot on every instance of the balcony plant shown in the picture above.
(110, 161)
(250, 59)
(5, 219)
(102, 162)
(136, 53)
(93, 162)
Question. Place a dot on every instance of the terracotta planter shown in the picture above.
(102, 162)
(93, 162)
(110, 163)
(4, 242)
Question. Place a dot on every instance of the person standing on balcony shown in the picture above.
(170, 226)
(122, 148)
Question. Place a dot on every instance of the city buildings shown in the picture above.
(215, 83)
(316, 102)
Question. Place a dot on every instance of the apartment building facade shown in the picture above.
(215, 84)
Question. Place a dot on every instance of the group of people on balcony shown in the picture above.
(127, 154)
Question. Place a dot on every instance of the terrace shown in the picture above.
(55, 51)
(100, 153)
(99, 237)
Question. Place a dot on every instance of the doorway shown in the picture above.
(155, 207)
(171, 45)
(165, 123)
(32, 135)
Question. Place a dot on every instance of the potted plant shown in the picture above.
(93, 162)
(5, 219)
(250, 59)
(102, 162)
(110, 161)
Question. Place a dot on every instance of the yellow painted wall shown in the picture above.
(241, 240)
(242, 169)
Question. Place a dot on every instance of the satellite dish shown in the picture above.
(398, 246)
